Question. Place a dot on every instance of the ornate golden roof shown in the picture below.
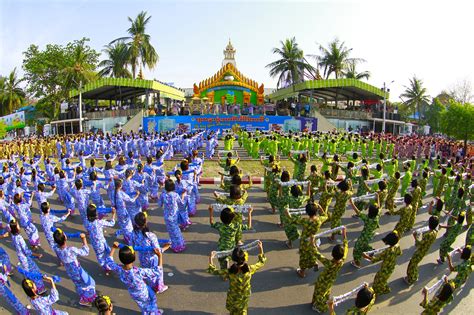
(228, 70)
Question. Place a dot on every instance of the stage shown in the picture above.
(218, 122)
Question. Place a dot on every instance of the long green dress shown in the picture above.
(239, 291)
(322, 286)
(445, 246)
(340, 207)
(326, 196)
(307, 247)
(273, 189)
(227, 235)
(393, 184)
(434, 306)
(367, 234)
(362, 189)
(422, 247)
(238, 215)
(389, 260)
(404, 223)
(291, 229)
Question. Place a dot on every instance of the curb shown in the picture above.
(217, 180)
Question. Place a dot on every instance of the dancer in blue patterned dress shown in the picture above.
(121, 200)
(42, 304)
(131, 186)
(8, 296)
(96, 234)
(25, 255)
(182, 189)
(47, 221)
(152, 258)
(85, 285)
(22, 209)
(171, 203)
(139, 281)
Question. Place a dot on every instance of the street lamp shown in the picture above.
(80, 106)
(385, 90)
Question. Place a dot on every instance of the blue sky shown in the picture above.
(397, 38)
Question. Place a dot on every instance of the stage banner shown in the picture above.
(215, 122)
(14, 121)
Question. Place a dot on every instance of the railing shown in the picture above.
(344, 113)
(112, 113)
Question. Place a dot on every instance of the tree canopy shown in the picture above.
(50, 73)
(457, 121)
(12, 95)
(292, 67)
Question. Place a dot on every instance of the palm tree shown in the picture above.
(292, 67)
(12, 95)
(415, 95)
(141, 52)
(351, 73)
(116, 64)
(81, 69)
(335, 59)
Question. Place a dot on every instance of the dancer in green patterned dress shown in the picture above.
(422, 247)
(393, 184)
(405, 213)
(236, 197)
(310, 226)
(453, 232)
(335, 167)
(300, 166)
(322, 286)
(342, 196)
(363, 188)
(364, 301)
(423, 182)
(389, 260)
(274, 187)
(464, 269)
(239, 275)
(441, 180)
(444, 297)
(228, 162)
(267, 164)
(228, 230)
(326, 192)
(314, 179)
(283, 196)
(296, 200)
(406, 178)
(382, 193)
(371, 224)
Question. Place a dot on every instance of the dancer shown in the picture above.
(239, 275)
(43, 304)
(389, 259)
(96, 233)
(371, 224)
(310, 226)
(171, 203)
(322, 286)
(444, 297)
(464, 269)
(453, 232)
(84, 283)
(405, 215)
(139, 281)
(422, 247)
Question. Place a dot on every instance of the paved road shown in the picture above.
(276, 288)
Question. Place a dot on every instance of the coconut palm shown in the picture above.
(292, 67)
(140, 50)
(351, 73)
(81, 69)
(415, 95)
(335, 58)
(117, 62)
(12, 95)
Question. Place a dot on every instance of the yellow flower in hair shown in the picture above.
(231, 209)
(131, 249)
(107, 299)
(59, 230)
(29, 283)
(145, 214)
(246, 256)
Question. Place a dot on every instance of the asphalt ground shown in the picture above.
(276, 288)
